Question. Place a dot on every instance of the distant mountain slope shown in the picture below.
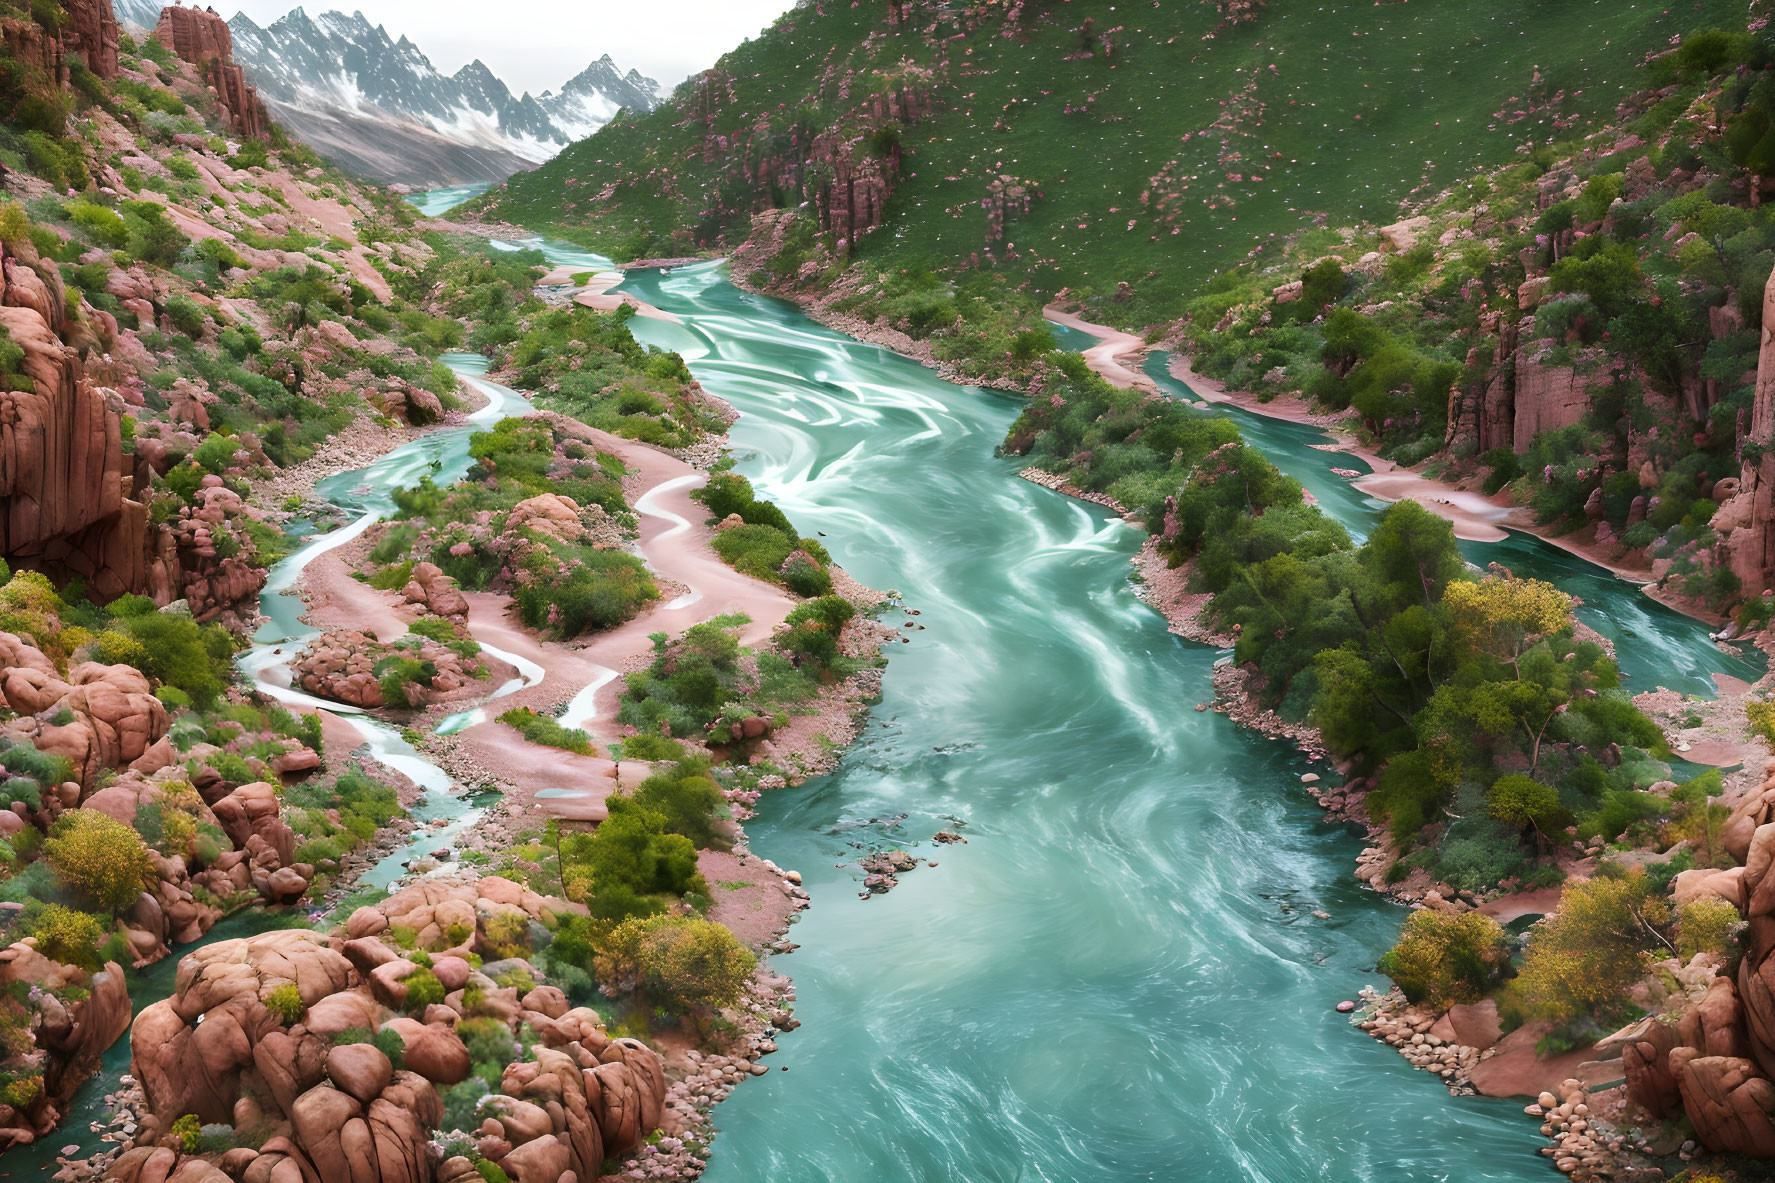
(380, 108)
(1089, 144)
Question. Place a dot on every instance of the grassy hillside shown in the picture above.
(1158, 143)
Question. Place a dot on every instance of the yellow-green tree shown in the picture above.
(1583, 959)
(687, 964)
(68, 936)
(1444, 958)
(1503, 616)
(1519, 801)
(100, 858)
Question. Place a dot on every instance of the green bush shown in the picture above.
(188, 1129)
(541, 729)
(423, 989)
(286, 1003)
(1445, 958)
(602, 589)
(187, 316)
(197, 659)
(63, 934)
(216, 453)
(106, 225)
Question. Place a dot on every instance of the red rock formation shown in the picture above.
(70, 500)
(201, 37)
(343, 1112)
(1731, 1106)
(91, 29)
(1651, 1081)
(1752, 544)
(66, 488)
(74, 1034)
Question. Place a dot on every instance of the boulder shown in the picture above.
(1730, 1103)
(1651, 1081)
(365, 922)
(435, 1052)
(360, 1070)
(1476, 1024)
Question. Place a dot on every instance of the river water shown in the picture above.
(1121, 975)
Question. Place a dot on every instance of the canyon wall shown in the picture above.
(68, 494)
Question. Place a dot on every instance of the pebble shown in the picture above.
(1345, 1007)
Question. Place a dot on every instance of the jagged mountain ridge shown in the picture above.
(378, 105)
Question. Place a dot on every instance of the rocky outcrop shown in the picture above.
(436, 592)
(112, 718)
(116, 719)
(400, 399)
(252, 818)
(1518, 395)
(71, 501)
(563, 519)
(1729, 1102)
(90, 28)
(215, 584)
(343, 665)
(78, 1016)
(318, 1108)
(202, 38)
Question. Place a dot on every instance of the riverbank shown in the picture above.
(818, 308)
(1474, 516)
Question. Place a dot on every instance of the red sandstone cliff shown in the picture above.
(1748, 518)
(71, 500)
(90, 31)
(201, 37)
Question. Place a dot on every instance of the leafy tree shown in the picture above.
(99, 857)
(687, 964)
(64, 934)
(1527, 804)
(627, 859)
(1445, 958)
(1503, 616)
(1583, 958)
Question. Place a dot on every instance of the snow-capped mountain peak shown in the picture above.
(379, 106)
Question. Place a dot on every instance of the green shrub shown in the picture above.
(689, 805)
(187, 316)
(685, 964)
(423, 989)
(1706, 925)
(541, 729)
(216, 453)
(286, 1003)
(189, 1132)
(63, 934)
(106, 225)
(1445, 958)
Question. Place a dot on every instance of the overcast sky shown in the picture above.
(537, 45)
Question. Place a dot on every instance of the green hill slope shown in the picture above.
(1154, 144)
